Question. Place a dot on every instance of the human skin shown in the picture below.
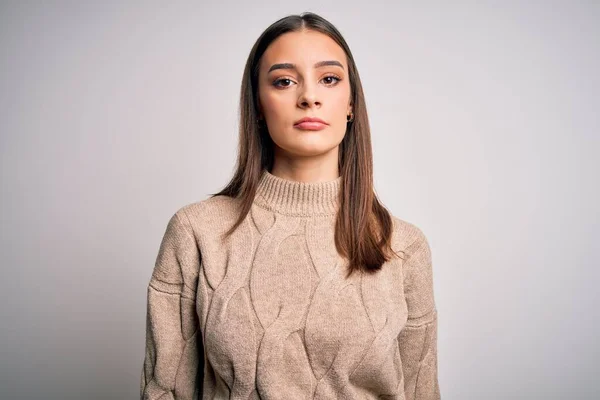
(287, 95)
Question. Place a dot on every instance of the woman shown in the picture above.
(294, 282)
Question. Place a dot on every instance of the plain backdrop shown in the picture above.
(485, 127)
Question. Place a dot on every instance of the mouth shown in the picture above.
(310, 124)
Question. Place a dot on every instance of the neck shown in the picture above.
(290, 197)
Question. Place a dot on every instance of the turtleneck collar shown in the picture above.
(290, 197)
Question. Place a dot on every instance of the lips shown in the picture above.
(310, 123)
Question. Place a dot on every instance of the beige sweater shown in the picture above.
(268, 313)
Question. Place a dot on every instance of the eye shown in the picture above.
(330, 80)
(336, 78)
(278, 81)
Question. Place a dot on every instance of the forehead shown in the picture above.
(302, 48)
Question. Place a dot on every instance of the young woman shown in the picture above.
(294, 281)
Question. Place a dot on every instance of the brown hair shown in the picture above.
(363, 225)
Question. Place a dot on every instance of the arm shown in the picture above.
(418, 339)
(172, 367)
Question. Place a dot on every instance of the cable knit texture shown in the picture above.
(267, 313)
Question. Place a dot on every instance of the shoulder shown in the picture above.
(211, 214)
(407, 236)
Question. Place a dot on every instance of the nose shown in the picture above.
(308, 97)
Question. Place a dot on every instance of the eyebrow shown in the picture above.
(293, 66)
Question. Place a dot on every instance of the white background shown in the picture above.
(485, 127)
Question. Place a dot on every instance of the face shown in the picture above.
(293, 85)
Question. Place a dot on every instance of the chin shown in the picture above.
(311, 149)
(309, 143)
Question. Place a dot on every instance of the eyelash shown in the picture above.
(288, 79)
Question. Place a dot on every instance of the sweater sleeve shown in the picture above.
(172, 368)
(418, 339)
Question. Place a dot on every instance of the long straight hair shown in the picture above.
(363, 226)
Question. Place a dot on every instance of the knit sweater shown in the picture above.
(268, 312)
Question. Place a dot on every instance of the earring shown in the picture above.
(350, 117)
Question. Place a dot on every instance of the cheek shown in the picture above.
(339, 111)
(343, 98)
(275, 105)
